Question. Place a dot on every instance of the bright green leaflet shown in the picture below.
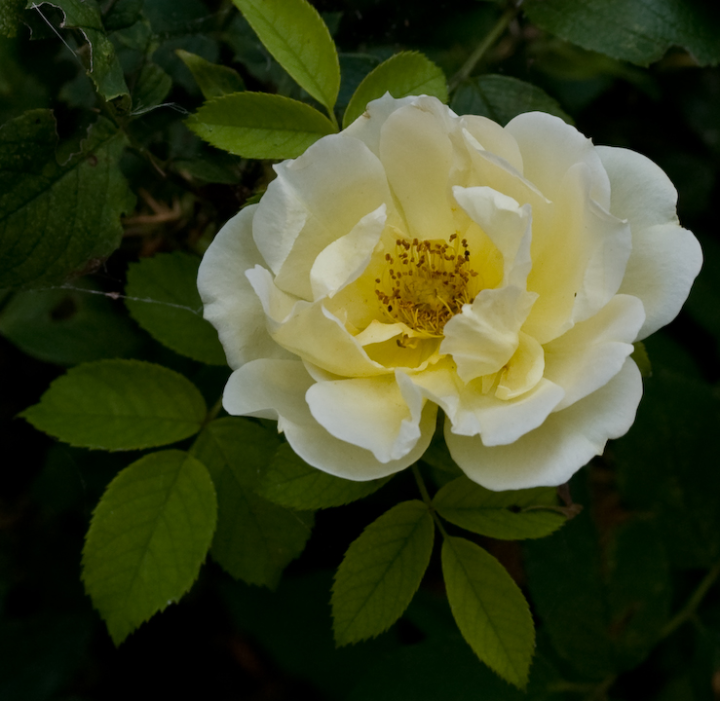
(104, 69)
(489, 608)
(255, 540)
(213, 80)
(260, 125)
(406, 73)
(172, 313)
(291, 482)
(479, 510)
(54, 218)
(296, 36)
(148, 537)
(68, 326)
(381, 571)
(501, 98)
(639, 31)
(119, 405)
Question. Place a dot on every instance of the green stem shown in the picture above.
(495, 33)
(688, 611)
(426, 498)
(212, 414)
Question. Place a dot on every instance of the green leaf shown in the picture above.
(119, 405)
(259, 125)
(55, 217)
(639, 590)
(568, 592)
(296, 36)
(479, 510)
(68, 326)
(104, 68)
(406, 73)
(667, 466)
(255, 540)
(213, 80)
(291, 482)
(148, 538)
(152, 87)
(171, 310)
(633, 30)
(10, 12)
(489, 608)
(501, 98)
(381, 571)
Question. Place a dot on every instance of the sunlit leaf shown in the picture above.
(260, 125)
(255, 540)
(489, 608)
(406, 73)
(510, 515)
(290, 481)
(119, 405)
(167, 305)
(55, 217)
(148, 537)
(295, 34)
(381, 572)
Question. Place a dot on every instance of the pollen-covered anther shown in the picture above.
(429, 285)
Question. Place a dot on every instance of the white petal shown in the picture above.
(343, 261)
(270, 389)
(484, 336)
(523, 371)
(230, 304)
(380, 414)
(315, 200)
(591, 353)
(491, 137)
(549, 148)
(553, 452)
(665, 258)
(417, 155)
(506, 223)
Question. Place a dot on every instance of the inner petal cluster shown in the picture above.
(425, 283)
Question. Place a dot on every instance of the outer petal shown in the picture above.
(665, 258)
(316, 199)
(230, 304)
(567, 440)
(472, 413)
(379, 414)
(276, 389)
(594, 351)
(549, 148)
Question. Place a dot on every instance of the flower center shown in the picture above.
(426, 283)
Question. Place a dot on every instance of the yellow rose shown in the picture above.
(420, 259)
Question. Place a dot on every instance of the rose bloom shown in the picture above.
(421, 259)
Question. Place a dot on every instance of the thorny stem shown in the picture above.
(688, 611)
(490, 38)
(426, 498)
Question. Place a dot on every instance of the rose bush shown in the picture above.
(421, 259)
